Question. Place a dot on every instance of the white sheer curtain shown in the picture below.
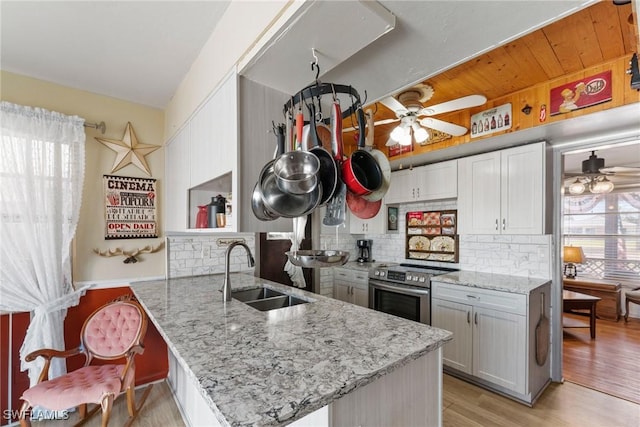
(41, 177)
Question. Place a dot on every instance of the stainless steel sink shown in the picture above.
(255, 294)
(276, 302)
(265, 299)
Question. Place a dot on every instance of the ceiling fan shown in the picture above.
(594, 176)
(415, 119)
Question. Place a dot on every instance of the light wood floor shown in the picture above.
(464, 405)
(610, 363)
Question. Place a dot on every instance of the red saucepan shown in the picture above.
(361, 172)
(361, 207)
(382, 160)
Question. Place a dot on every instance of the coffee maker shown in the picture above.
(364, 248)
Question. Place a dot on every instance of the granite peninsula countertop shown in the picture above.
(496, 282)
(271, 368)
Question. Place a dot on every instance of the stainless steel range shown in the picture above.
(403, 290)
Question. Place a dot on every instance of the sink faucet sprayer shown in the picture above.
(226, 288)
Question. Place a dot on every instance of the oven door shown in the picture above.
(410, 302)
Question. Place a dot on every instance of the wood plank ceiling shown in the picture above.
(594, 35)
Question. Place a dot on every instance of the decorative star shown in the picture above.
(129, 150)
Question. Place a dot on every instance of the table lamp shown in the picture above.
(572, 255)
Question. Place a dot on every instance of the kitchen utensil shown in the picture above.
(296, 172)
(361, 172)
(336, 207)
(318, 258)
(542, 335)
(381, 159)
(260, 210)
(328, 172)
(286, 205)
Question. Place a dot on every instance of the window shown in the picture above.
(607, 227)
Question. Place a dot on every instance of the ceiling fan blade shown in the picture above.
(443, 126)
(453, 105)
(379, 122)
(620, 170)
(394, 105)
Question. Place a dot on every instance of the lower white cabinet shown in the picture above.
(493, 337)
(351, 286)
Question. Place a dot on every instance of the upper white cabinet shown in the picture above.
(502, 192)
(375, 225)
(429, 182)
(214, 134)
(177, 183)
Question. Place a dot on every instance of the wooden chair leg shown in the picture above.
(24, 420)
(131, 403)
(82, 411)
(626, 307)
(107, 405)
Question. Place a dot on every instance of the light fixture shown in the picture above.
(572, 255)
(596, 184)
(408, 129)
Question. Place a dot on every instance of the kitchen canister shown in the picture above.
(216, 206)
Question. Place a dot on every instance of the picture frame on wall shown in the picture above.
(392, 218)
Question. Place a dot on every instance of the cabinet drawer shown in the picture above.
(486, 298)
(343, 274)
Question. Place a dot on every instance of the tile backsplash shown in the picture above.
(193, 255)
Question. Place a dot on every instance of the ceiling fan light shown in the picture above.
(420, 134)
(397, 133)
(601, 186)
(406, 138)
(576, 187)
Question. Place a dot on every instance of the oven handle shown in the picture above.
(398, 289)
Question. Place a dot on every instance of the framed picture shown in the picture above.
(392, 218)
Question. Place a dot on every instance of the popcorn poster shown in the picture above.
(130, 207)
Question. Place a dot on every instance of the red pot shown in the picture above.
(361, 207)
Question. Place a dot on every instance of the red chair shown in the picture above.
(114, 331)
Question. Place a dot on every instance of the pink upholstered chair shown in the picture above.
(113, 331)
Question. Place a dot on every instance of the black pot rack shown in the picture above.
(317, 90)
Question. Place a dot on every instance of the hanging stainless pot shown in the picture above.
(296, 172)
(283, 204)
(361, 172)
(381, 159)
(260, 210)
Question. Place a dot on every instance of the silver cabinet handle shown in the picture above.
(504, 224)
(413, 193)
(475, 318)
(469, 317)
(418, 191)
(497, 224)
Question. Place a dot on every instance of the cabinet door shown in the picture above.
(400, 188)
(454, 317)
(214, 134)
(438, 181)
(360, 296)
(522, 190)
(375, 225)
(342, 291)
(479, 194)
(176, 183)
(499, 348)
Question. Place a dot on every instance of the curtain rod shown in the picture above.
(102, 127)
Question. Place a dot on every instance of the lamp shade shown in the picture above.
(573, 254)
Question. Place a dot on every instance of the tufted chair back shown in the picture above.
(113, 329)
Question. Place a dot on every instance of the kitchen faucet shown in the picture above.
(226, 288)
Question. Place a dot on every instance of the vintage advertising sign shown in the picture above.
(491, 121)
(397, 149)
(579, 94)
(130, 207)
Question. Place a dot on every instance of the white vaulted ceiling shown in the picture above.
(138, 51)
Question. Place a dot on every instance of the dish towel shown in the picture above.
(295, 272)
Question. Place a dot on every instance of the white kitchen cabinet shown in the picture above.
(214, 134)
(375, 225)
(430, 182)
(493, 337)
(502, 192)
(177, 182)
(351, 286)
